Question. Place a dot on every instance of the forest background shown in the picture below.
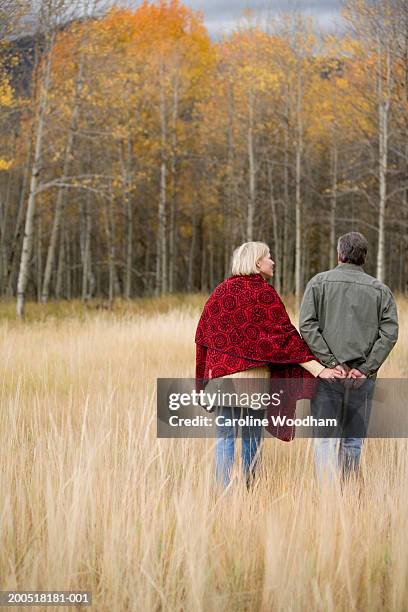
(136, 152)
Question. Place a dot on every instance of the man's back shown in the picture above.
(349, 317)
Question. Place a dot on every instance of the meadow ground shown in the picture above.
(92, 500)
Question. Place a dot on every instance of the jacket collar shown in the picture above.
(349, 266)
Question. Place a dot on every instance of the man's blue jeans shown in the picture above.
(340, 453)
(225, 445)
(337, 456)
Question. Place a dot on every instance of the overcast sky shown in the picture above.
(221, 15)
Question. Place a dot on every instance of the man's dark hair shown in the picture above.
(352, 248)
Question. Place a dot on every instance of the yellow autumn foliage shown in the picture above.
(5, 164)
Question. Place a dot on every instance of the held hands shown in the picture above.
(354, 373)
(331, 374)
(352, 377)
(350, 372)
(355, 378)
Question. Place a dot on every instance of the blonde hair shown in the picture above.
(245, 257)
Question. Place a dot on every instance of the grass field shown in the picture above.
(92, 500)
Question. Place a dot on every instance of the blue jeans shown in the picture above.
(225, 445)
(340, 453)
(337, 456)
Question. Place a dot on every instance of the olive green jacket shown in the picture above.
(349, 317)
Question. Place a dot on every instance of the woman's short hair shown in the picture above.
(245, 257)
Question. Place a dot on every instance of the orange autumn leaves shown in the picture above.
(160, 56)
(131, 55)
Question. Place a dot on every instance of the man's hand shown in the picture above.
(354, 373)
(342, 367)
(355, 379)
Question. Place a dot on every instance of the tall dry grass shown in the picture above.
(92, 500)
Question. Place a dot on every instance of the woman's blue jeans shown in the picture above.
(225, 446)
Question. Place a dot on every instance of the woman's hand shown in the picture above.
(331, 374)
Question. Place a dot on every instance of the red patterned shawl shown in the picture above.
(244, 324)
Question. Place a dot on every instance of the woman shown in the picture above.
(245, 331)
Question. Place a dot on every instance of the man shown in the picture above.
(349, 320)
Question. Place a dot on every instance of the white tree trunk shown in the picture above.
(383, 110)
(286, 250)
(86, 255)
(298, 197)
(35, 173)
(251, 171)
(126, 164)
(161, 261)
(275, 255)
(333, 204)
(173, 211)
(111, 251)
(60, 268)
(62, 192)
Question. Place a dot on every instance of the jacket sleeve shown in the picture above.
(310, 328)
(387, 334)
